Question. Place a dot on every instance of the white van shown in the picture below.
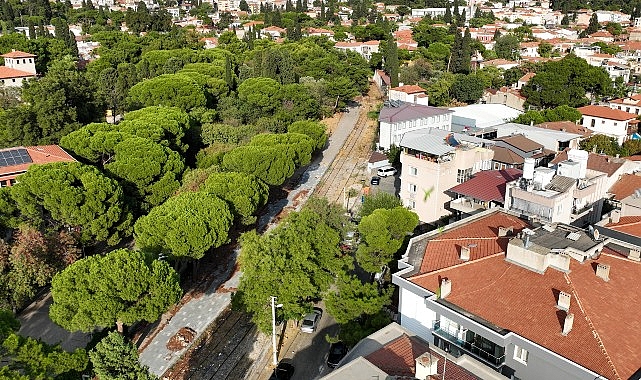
(386, 171)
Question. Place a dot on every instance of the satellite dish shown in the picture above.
(596, 234)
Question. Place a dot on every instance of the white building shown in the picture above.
(365, 49)
(18, 66)
(397, 118)
(409, 94)
(609, 122)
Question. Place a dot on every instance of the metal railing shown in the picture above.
(468, 347)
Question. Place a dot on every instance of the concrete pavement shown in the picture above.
(199, 313)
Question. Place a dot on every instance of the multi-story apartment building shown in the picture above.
(434, 161)
(397, 118)
(531, 303)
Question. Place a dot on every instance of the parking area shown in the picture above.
(389, 184)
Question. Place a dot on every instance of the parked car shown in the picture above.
(283, 371)
(337, 351)
(310, 322)
(386, 171)
(375, 181)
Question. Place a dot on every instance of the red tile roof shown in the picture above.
(506, 156)
(43, 154)
(17, 54)
(488, 185)
(606, 113)
(630, 225)
(603, 337)
(409, 89)
(566, 126)
(397, 358)
(8, 73)
(443, 250)
(598, 162)
(526, 78)
(625, 186)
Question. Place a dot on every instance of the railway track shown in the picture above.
(353, 154)
(221, 352)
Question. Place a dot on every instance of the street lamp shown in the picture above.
(274, 348)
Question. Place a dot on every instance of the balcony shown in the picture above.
(466, 206)
(469, 348)
(578, 212)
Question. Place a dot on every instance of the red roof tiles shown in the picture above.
(625, 186)
(488, 185)
(43, 154)
(17, 54)
(409, 89)
(630, 225)
(8, 73)
(606, 113)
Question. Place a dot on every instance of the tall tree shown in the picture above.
(115, 358)
(74, 195)
(448, 13)
(185, 226)
(391, 61)
(117, 289)
(245, 193)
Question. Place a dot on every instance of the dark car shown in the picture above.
(337, 351)
(283, 371)
(375, 180)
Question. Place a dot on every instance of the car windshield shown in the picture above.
(308, 322)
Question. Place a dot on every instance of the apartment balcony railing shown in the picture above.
(580, 211)
(468, 347)
(467, 206)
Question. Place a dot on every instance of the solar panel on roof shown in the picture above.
(14, 157)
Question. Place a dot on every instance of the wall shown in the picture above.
(14, 82)
(23, 64)
(612, 128)
(392, 133)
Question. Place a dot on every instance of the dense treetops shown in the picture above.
(121, 287)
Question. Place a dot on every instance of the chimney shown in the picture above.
(426, 366)
(506, 231)
(603, 271)
(446, 287)
(564, 301)
(465, 253)
(615, 216)
(635, 254)
(567, 324)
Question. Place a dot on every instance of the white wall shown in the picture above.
(23, 64)
(391, 134)
(613, 128)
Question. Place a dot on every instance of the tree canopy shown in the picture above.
(121, 287)
(270, 164)
(186, 225)
(115, 358)
(244, 192)
(75, 195)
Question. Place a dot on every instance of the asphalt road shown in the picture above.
(308, 352)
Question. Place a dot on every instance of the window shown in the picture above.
(412, 188)
(602, 121)
(615, 124)
(520, 354)
(30, 60)
(413, 171)
(592, 123)
(13, 80)
(411, 205)
(463, 175)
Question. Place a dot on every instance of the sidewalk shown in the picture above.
(199, 313)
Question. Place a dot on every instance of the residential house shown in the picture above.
(395, 352)
(409, 94)
(397, 118)
(15, 161)
(613, 167)
(610, 122)
(524, 148)
(365, 49)
(499, 63)
(377, 160)
(626, 195)
(273, 32)
(532, 303)
(552, 139)
(18, 66)
(524, 80)
(319, 32)
(485, 190)
(603, 36)
(529, 49)
(210, 42)
(631, 104)
(573, 134)
(434, 161)
(482, 116)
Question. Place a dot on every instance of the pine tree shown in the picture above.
(229, 77)
(391, 61)
(32, 30)
(478, 13)
(462, 19)
(277, 19)
(243, 6)
(456, 12)
(448, 13)
(289, 6)
(42, 31)
(466, 52)
(565, 20)
(497, 35)
(322, 11)
(299, 5)
(456, 58)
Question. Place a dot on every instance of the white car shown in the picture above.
(386, 171)
(310, 322)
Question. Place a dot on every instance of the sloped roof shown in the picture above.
(630, 225)
(604, 336)
(520, 142)
(43, 154)
(17, 54)
(598, 162)
(488, 185)
(8, 73)
(506, 156)
(409, 111)
(409, 89)
(377, 157)
(625, 186)
(606, 113)
(423, 141)
(565, 126)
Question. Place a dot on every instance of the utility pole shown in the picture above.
(274, 346)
